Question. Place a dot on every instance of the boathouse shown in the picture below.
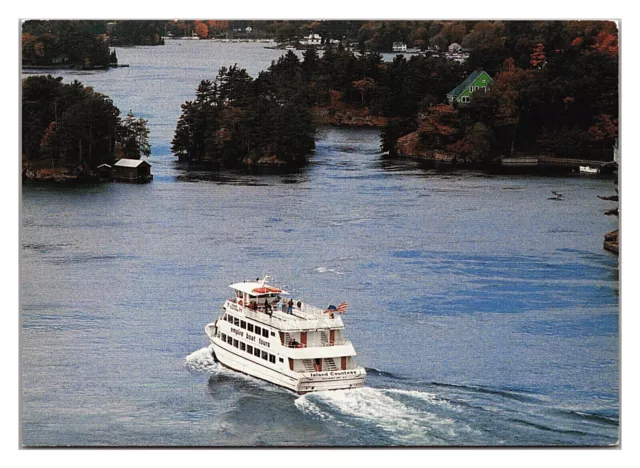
(132, 170)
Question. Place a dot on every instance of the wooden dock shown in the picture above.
(551, 162)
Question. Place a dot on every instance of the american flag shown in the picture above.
(342, 307)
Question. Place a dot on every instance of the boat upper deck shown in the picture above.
(263, 303)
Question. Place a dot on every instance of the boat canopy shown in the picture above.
(257, 288)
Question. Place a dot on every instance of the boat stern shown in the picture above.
(331, 380)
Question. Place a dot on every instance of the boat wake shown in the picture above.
(407, 416)
(202, 361)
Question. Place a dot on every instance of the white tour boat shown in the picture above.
(266, 334)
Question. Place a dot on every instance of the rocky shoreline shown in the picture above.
(611, 241)
(347, 117)
(38, 172)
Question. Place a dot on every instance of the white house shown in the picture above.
(399, 47)
(312, 39)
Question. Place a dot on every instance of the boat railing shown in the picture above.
(317, 345)
(307, 316)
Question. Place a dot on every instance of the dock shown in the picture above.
(552, 162)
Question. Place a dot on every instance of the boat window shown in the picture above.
(223, 337)
(250, 327)
(272, 359)
(249, 349)
(235, 343)
(258, 330)
(243, 324)
(256, 352)
(236, 321)
(229, 339)
(273, 333)
(280, 359)
(241, 346)
(265, 333)
(265, 355)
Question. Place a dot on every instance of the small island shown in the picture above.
(69, 131)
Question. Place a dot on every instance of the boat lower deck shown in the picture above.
(294, 381)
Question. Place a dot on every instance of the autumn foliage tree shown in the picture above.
(202, 30)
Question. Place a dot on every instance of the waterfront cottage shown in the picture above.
(477, 81)
(132, 170)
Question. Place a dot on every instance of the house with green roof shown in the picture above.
(461, 94)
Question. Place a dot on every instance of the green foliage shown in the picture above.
(133, 136)
(137, 32)
(74, 43)
(236, 120)
(71, 124)
(565, 141)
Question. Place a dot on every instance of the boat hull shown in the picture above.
(300, 383)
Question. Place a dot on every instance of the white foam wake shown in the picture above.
(430, 398)
(202, 361)
(405, 425)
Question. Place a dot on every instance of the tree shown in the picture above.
(566, 141)
(134, 137)
(202, 30)
(236, 120)
(439, 127)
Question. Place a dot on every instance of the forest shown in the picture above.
(555, 91)
(555, 87)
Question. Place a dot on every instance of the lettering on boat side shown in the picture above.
(237, 332)
(334, 373)
(264, 343)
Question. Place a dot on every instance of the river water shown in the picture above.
(484, 312)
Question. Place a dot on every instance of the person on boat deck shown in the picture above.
(290, 308)
(299, 304)
(253, 305)
(294, 343)
(267, 307)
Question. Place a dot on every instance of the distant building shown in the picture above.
(476, 81)
(455, 48)
(248, 29)
(399, 47)
(132, 170)
(311, 40)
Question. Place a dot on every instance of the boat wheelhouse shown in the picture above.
(265, 333)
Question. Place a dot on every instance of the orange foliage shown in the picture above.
(47, 134)
(439, 122)
(39, 49)
(335, 97)
(605, 129)
(460, 147)
(507, 86)
(202, 30)
(538, 58)
(606, 43)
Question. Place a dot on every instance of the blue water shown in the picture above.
(485, 313)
